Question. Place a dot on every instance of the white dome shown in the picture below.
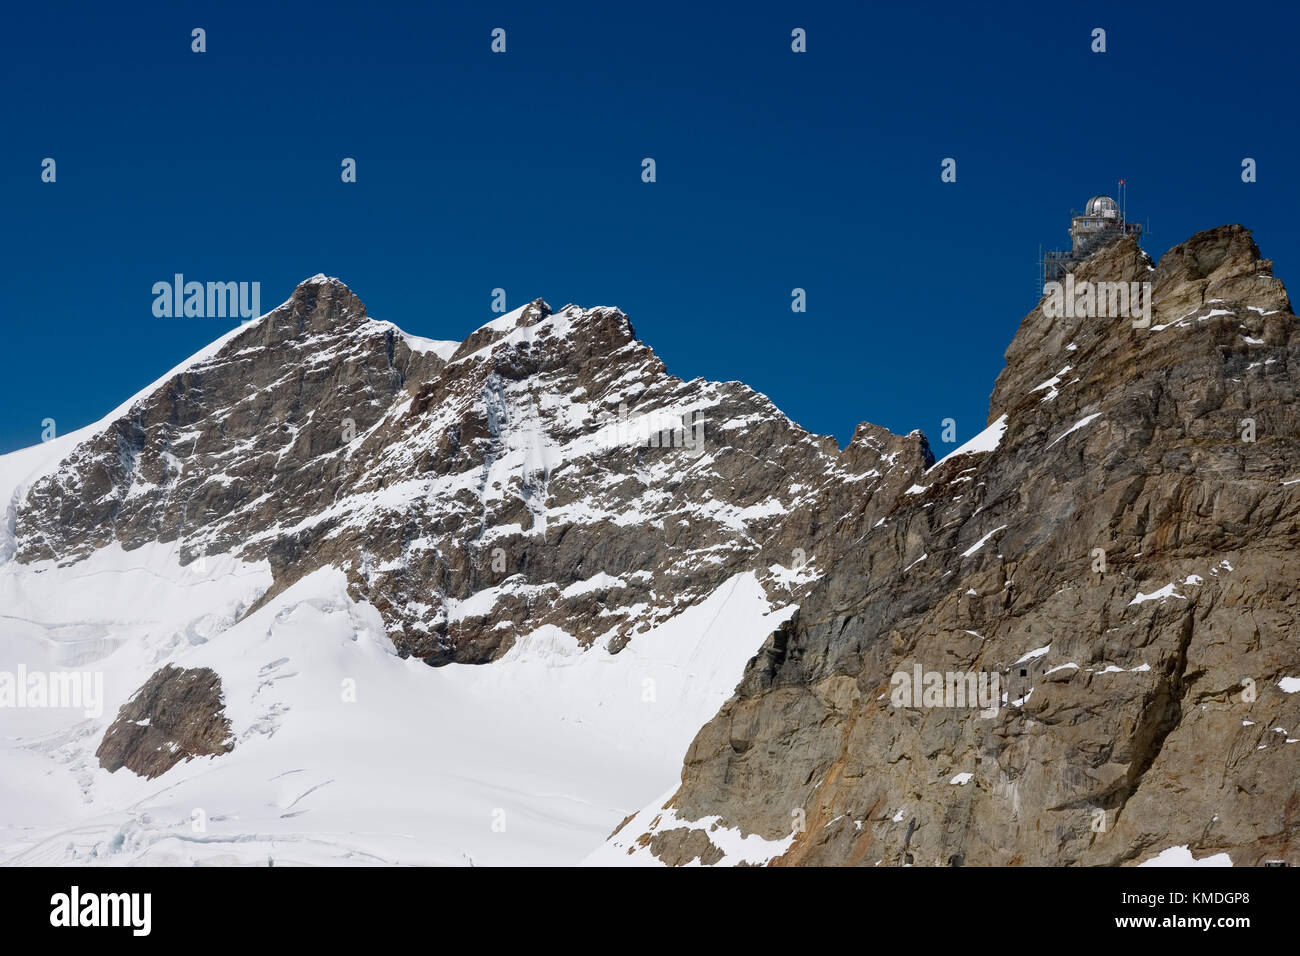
(1102, 206)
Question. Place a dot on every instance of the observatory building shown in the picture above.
(1102, 222)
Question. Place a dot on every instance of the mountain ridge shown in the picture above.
(142, 452)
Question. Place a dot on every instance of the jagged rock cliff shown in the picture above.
(1125, 557)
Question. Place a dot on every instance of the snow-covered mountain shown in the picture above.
(270, 545)
(664, 619)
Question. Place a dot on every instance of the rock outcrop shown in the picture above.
(1124, 557)
(177, 715)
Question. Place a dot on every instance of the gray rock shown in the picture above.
(177, 715)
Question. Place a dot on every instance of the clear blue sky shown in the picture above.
(775, 170)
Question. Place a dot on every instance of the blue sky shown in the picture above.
(775, 170)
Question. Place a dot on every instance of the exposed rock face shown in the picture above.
(533, 474)
(1150, 712)
(177, 715)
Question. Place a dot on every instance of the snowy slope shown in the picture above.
(532, 759)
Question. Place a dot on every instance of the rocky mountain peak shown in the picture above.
(321, 305)
(1216, 273)
(874, 447)
(1221, 265)
(534, 311)
(1110, 548)
(469, 491)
